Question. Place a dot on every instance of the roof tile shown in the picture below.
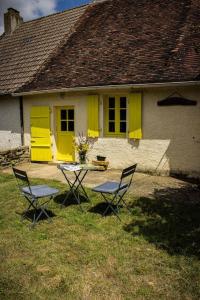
(23, 53)
(128, 41)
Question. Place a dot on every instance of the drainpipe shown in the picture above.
(21, 119)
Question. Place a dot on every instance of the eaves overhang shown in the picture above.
(109, 87)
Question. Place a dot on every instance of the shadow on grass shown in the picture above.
(101, 207)
(30, 214)
(71, 200)
(170, 220)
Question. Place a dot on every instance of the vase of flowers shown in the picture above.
(82, 157)
(82, 146)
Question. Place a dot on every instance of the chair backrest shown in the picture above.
(127, 174)
(22, 178)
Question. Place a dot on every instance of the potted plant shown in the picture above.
(82, 146)
(101, 158)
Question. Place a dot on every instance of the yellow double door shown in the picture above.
(41, 142)
(65, 133)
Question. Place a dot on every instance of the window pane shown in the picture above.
(122, 126)
(63, 126)
(63, 114)
(70, 114)
(111, 102)
(71, 126)
(111, 114)
(122, 102)
(111, 127)
(123, 115)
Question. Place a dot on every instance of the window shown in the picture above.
(115, 111)
(67, 119)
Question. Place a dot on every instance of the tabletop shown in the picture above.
(77, 167)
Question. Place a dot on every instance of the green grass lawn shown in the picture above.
(152, 254)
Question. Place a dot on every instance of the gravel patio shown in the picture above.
(143, 185)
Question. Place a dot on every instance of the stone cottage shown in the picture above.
(125, 73)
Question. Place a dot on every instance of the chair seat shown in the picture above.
(109, 187)
(40, 191)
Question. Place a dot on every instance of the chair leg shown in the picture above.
(37, 207)
(45, 212)
(114, 211)
(23, 216)
(66, 197)
(36, 219)
(31, 204)
(127, 206)
(42, 211)
(122, 200)
(110, 205)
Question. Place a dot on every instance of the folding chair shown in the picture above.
(33, 193)
(114, 192)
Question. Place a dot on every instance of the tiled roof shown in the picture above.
(23, 53)
(128, 42)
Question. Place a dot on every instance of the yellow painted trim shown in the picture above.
(117, 132)
(65, 151)
(40, 133)
(135, 116)
(93, 116)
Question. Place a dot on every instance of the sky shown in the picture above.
(32, 9)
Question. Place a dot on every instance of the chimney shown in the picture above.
(12, 20)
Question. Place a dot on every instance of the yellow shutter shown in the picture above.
(93, 116)
(135, 116)
(40, 134)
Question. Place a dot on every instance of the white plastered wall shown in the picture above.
(171, 134)
(10, 130)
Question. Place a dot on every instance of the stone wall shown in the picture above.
(14, 156)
